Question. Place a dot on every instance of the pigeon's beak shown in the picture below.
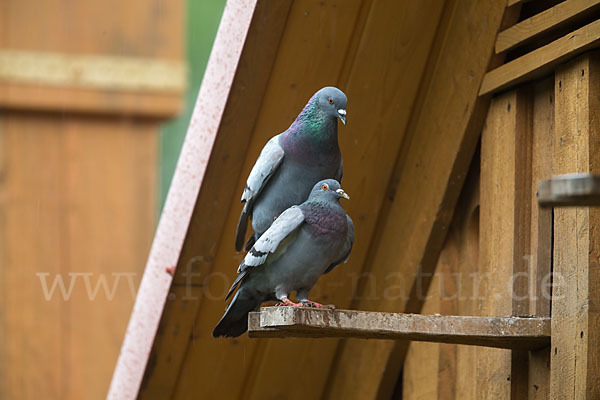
(342, 115)
(343, 194)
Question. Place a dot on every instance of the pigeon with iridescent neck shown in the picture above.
(291, 163)
(305, 242)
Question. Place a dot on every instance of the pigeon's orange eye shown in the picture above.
(324, 187)
(330, 100)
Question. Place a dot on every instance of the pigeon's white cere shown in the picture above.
(342, 111)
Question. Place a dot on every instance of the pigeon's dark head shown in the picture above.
(332, 101)
(328, 189)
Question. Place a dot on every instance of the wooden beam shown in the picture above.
(570, 190)
(423, 194)
(541, 61)
(500, 332)
(531, 28)
(575, 359)
(504, 241)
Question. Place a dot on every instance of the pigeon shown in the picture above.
(305, 153)
(303, 243)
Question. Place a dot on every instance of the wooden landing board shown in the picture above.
(570, 190)
(501, 332)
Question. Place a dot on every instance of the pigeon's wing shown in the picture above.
(269, 159)
(345, 252)
(280, 232)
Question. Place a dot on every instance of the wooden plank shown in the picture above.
(540, 261)
(552, 18)
(541, 61)
(500, 332)
(34, 347)
(575, 360)
(420, 378)
(422, 195)
(108, 175)
(570, 190)
(505, 235)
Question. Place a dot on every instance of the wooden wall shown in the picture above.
(532, 132)
(82, 93)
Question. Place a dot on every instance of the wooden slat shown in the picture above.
(501, 332)
(541, 61)
(540, 261)
(34, 346)
(575, 359)
(570, 190)
(529, 29)
(504, 240)
(423, 194)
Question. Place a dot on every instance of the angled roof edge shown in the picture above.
(177, 212)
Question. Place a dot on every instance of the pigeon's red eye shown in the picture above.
(330, 100)
(324, 187)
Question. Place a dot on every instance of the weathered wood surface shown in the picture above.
(505, 201)
(501, 332)
(572, 190)
(543, 60)
(552, 18)
(575, 359)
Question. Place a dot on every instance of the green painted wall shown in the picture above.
(202, 19)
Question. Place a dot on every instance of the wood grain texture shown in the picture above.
(422, 193)
(575, 360)
(552, 18)
(505, 235)
(501, 332)
(542, 61)
(540, 261)
(85, 215)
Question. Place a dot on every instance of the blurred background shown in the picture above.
(95, 98)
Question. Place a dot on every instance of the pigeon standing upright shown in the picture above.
(305, 153)
(304, 242)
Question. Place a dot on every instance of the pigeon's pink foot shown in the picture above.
(308, 303)
(285, 302)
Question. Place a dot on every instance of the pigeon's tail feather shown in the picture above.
(250, 242)
(235, 321)
(240, 233)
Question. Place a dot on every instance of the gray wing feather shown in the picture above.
(269, 159)
(286, 223)
(345, 253)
